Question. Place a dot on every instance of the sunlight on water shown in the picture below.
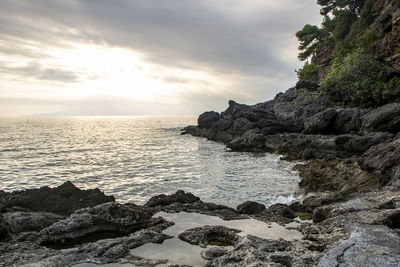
(134, 158)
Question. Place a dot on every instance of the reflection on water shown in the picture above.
(134, 158)
(179, 252)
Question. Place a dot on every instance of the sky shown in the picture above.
(146, 57)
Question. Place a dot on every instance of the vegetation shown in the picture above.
(309, 72)
(352, 77)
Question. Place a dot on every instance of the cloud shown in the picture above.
(36, 71)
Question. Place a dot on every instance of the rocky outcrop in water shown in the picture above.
(63, 199)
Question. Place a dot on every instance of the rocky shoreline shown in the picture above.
(349, 215)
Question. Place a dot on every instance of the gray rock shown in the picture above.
(250, 141)
(213, 252)
(19, 222)
(383, 119)
(254, 251)
(372, 245)
(100, 252)
(4, 231)
(205, 235)
(250, 207)
(279, 213)
(347, 121)
(179, 196)
(320, 122)
(109, 218)
(64, 199)
(207, 119)
(352, 144)
(384, 161)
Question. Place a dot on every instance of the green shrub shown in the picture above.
(359, 80)
(309, 72)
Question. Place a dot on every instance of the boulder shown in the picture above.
(347, 120)
(205, 235)
(383, 119)
(108, 218)
(64, 199)
(383, 160)
(207, 119)
(19, 222)
(320, 122)
(179, 196)
(252, 140)
(349, 145)
(279, 213)
(250, 207)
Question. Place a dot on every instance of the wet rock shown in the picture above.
(383, 119)
(279, 213)
(64, 199)
(368, 245)
(4, 232)
(100, 252)
(224, 212)
(207, 119)
(208, 235)
(213, 252)
(250, 207)
(105, 219)
(30, 221)
(320, 122)
(304, 84)
(254, 251)
(179, 197)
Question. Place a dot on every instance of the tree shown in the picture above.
(310, 38)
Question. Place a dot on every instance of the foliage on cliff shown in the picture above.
(355, 52)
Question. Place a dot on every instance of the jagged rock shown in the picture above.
(100, 252)
(203, 236)
(254, 251)
(302, 84)
(301, 146)
(207, 119)
(296, 106)
(4, 232)
(224, 212)
(250, 207)
(384, 161)
(213, 252)
(383, 119)
(251, 140)
(347, 121)
(180, 197)
(19, 222)
(373, 245)
(64, 199)
(352, 144)
(107, 218)
(320, 122)
(279, 213)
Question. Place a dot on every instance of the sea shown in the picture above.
(135, 158)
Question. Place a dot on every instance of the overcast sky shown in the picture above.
(138, 57)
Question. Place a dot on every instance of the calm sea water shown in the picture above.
(134, 158)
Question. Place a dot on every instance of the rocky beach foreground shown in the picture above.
(349, 214)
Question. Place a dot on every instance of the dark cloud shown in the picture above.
(219, 36)
(36, 71)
